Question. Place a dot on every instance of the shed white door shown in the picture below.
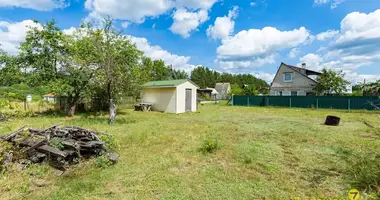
(188, 100)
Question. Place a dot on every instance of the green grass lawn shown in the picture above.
(263, 153)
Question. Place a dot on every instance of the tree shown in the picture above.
(10, 73)
(331, 82)
(42, 53)
(198, 76)
(236, 89)
(118, 63)
(178, 74)
(369, 89)
(59, 63)
(205, 77)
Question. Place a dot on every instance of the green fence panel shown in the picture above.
(304, 102)
(278, 101)
(333, 102)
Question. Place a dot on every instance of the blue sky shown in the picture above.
(245, 36)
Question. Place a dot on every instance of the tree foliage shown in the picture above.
(43, 52)
(241, 84)
(156, 70)
(368, 89)
(331, 82)
(10, 74)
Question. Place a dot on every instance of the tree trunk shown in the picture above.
(71, 110)
(72, 104)
(112, 118)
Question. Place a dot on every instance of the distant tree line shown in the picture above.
(241, 84)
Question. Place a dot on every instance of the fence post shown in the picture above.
(248, 101)
(317, 103)
(349, 105)
(290, 102)
(232, 99)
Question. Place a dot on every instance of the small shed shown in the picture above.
(49, 97)
(208, 92)
(171, 96)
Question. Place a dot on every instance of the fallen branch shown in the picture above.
(13, 134)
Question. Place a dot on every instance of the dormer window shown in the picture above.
(288, 77)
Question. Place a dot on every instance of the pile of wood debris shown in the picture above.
(60, 147)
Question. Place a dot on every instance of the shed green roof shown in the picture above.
(166, 83)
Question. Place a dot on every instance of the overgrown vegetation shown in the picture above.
(363, 171)
(210, 145)
(102, 162)
(13, 110)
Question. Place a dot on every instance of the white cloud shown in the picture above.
(265, 76)
(252, 4)
(260, 43)
(360, 26)
(246, 65)
(195, 4)
(186, 21)
(321, 1)
(312, 61)
(294, 52)
(334, 3)
(187, 15)
(42, 5)
(125, 24)
(357, 46)
(223, 26)
(13, 33)
(254, 48)
(356, 78)
(358, 43)
(156, 53)
(327, 35)
(132, 10)
(138, 10)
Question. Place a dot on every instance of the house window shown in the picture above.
(294, 93)
(288, 77)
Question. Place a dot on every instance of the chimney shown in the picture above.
(304, 65)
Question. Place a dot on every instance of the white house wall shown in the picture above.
(163, 99)
(181, 97)
(299, 82)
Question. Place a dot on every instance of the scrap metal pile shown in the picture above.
(58, 146)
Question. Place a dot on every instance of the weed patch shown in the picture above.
(363, 171)
(210, 145)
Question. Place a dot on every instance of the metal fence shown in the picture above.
(334, 102)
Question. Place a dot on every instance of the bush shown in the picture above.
(111, 142)
(363, 171)
(102, 162)
(13, 110)
(210, 145)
